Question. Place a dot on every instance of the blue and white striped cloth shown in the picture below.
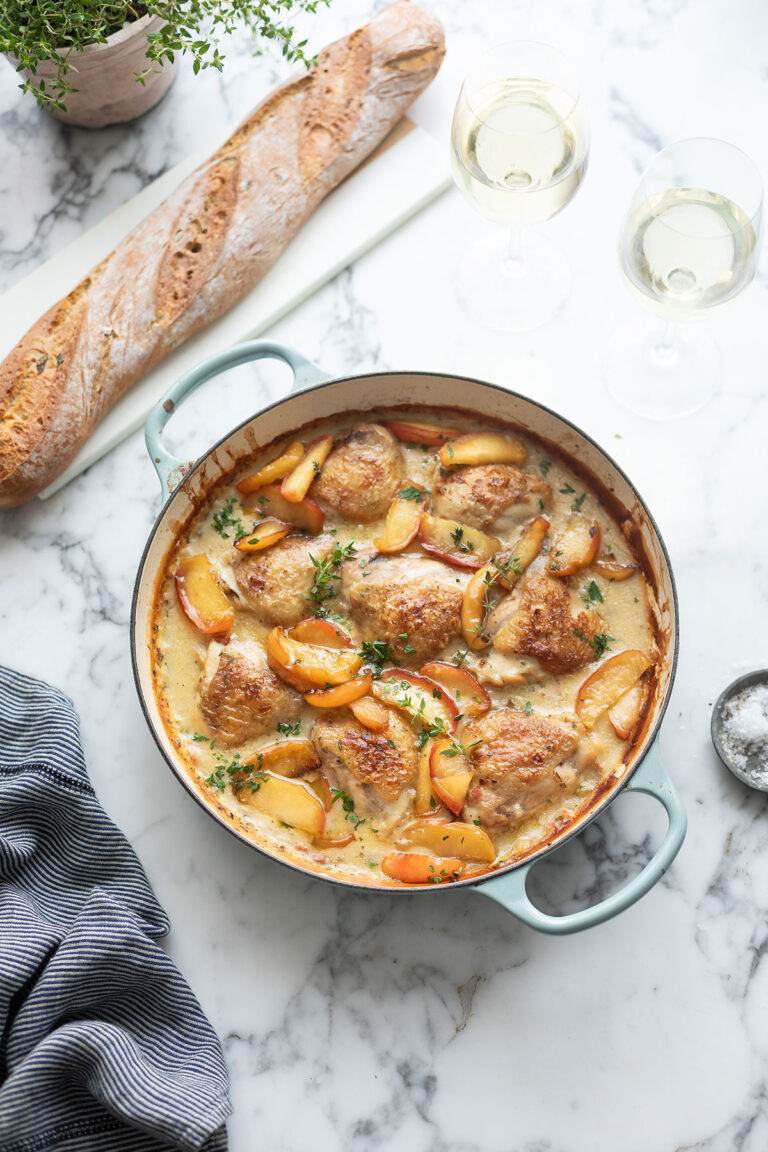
(103, 1047)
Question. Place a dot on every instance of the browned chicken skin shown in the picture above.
(385, 760)
(484, 494)
(408, 601)
(244, 700)
(362, 474)
(520, 764)
(543, 627)
(276, 582)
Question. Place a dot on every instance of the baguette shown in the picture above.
(207, 245)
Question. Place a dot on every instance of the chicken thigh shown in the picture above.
(362, 474)
(490, 495)
(245, 699)
(276, 583)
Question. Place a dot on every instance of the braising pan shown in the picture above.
(315, 396)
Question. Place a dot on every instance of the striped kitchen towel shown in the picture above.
(103, 1047)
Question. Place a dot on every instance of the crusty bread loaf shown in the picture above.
(207, 245)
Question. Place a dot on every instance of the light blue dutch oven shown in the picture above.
(315, 396)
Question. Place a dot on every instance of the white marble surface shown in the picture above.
(425, 1025)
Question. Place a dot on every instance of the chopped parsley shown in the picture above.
(567, 490)
(377, 653)
(592, 594)
(576, 506)
(224, 519)
(459, 657)
(348, 805)
(327, 571)
(413, 493)
(528, 708)
(290, 729)
(408, 649)
(544, 466)
(600, 643)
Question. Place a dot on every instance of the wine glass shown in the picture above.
(690, 242)
(519, 147)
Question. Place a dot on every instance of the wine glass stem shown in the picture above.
(665, 347)
(514, 265)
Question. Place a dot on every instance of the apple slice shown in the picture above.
(328, 842)
(512, 562)
(452, 790)
(575, 547)
(608, 683)
(273, 471)
(201, 596)
(465, 841)
(482, 448)
(470, 696)
(413, 868)
(420, 697)
(370, 713)
(610, 567)
(476, 604)
(411, 433)
(456, 543)
(290, 801)
(326, 634)
(626, 711)
(309, 665)
(320, 785)
(341, 695)
(423, 800)
(305, 514)
(403, 519)
(286, 757)
(296, 484)
(265, 533)
(447, 759)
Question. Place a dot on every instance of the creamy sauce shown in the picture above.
(184, 659)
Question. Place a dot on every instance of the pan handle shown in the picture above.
(169, 468)
(510, 890)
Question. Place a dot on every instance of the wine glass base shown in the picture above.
(513, 294)
(656, 380)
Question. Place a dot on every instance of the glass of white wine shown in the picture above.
(690, 242)
(519, 147)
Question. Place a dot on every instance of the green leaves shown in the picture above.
(38, 30)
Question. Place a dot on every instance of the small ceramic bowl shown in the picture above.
(743, 774)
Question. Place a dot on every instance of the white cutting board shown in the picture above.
(407, 171)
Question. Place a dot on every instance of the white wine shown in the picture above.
(688, 249)
(519, 150)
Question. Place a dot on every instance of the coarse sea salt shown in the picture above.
(744, 734)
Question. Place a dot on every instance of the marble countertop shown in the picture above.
(425, 1025)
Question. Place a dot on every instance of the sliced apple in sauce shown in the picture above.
(341, 695)
(512, 562)
(611, 569)
(202, 598)
(292, 757)
(465, 841)
(625, 713)
(326, 634)
(329, 842)
(608, 683)
(475, 605)
(482, 448)
(370, 713)
(265, 533)
(423, 800)
(452, 790)
(305, 514)
(415, 868)
(308, 665)
(575, 547)
(296, 484)
(290, 801)
(420, 697)
(447, 759)
(471, 697)
(403, 519)
(456, 543)
(411, 433)
(274, 470)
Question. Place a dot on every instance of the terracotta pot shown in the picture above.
(108, 92)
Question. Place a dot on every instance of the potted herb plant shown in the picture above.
(93, 63)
